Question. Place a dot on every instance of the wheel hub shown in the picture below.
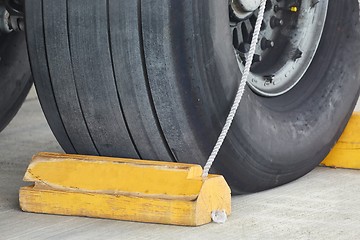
(290, 34)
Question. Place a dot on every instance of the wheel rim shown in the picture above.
(288, 41)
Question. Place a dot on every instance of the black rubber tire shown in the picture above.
(168, 77)
(15, 80)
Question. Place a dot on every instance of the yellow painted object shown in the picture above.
(294, 9)
(123, 189)
(346, 153)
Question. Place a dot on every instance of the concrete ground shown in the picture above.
(325, 204)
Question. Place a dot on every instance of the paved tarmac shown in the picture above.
(325, 204)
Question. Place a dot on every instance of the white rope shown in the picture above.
(241, 90)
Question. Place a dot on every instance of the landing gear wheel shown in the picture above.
(155, 80)
(15, 75)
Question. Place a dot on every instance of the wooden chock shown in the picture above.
(123, 189)
(346, 153)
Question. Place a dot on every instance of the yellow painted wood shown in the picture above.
(346, 153)
(115, 175)
(141, 202)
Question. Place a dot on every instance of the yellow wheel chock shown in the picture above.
(123, 189)
(346, 153)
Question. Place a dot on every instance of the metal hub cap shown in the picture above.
(248, 5)
(290, 35)
(244, 8)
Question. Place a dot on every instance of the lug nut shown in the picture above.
(276, 22)
(244, 47)
(265, 44)
(294, 9)
(277, 8)
(257, 58)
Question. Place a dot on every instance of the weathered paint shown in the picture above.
(123, 189)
